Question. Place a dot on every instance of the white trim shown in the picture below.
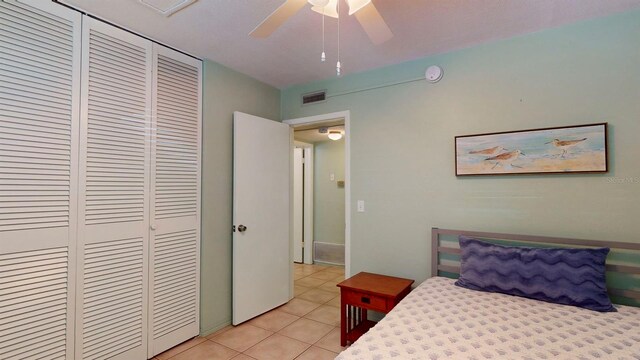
(308, 200)
(301, 144)
(308, 205)
(298, 204)
(319, 118)
(346, 115)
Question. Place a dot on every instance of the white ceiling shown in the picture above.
(313, 136)
(218, 30)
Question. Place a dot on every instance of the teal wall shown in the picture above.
(224, 91)
(402, 158)
(328, 198)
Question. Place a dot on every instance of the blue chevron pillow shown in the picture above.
(564, 276)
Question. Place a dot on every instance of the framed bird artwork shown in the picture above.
(566, 149)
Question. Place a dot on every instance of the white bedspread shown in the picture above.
(439, 320)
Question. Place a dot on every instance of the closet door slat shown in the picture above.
(175, 200)
(39, 123)
(114, 194)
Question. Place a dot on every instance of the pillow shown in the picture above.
(563, 276)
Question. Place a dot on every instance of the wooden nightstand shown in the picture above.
(366, 291)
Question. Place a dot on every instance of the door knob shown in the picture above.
(242, 228)
(153, 227)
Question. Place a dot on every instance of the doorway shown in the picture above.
(321, 189)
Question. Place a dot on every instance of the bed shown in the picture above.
(439, 320)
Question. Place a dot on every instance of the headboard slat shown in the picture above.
(541, 239)
(624, 269)
(449, 268)
(448, 250)
(630, 294)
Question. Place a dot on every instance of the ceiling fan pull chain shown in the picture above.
(338, 65)
(323, 56)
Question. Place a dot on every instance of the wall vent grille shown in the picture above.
(315, 97)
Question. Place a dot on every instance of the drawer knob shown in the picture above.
(365, 300)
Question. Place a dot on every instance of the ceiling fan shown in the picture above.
(364, 10)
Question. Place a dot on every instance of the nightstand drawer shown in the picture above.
(366, 301)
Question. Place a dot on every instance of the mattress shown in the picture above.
(439, 320)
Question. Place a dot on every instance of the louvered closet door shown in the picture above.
(39, 117)
(113, 194)
(175, 199)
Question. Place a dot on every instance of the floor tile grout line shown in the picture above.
(319, 322)
(299, 317)
(297, 357)
(289, 337)
(316, 269)
(200, 343)
(313, 344)
(265, 339)
(250, 347)
(171, 357)
(276, 309)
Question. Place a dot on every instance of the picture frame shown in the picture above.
(553, 150)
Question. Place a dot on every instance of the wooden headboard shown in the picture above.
(437, 248)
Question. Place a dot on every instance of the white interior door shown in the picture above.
(298, 204)
(113, 206)
(39, 119)
(261, 215)
(174, 289)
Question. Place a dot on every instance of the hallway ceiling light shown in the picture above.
(335, 134)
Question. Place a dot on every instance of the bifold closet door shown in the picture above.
(175, 200)
(39, 117)
(113, 229)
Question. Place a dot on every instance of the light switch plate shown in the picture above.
(360, 205)
(332, 176)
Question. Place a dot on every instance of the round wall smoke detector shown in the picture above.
(433, 73)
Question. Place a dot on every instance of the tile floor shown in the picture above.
(306, 328)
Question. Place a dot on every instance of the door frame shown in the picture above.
(346, 115)
(307, 204)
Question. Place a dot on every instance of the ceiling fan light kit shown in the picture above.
(355, 5)
(364, 10)
(321, 3)
(331, 6)
(331, 9)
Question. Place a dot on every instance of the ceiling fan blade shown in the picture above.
(277, 18)
(373, 24)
